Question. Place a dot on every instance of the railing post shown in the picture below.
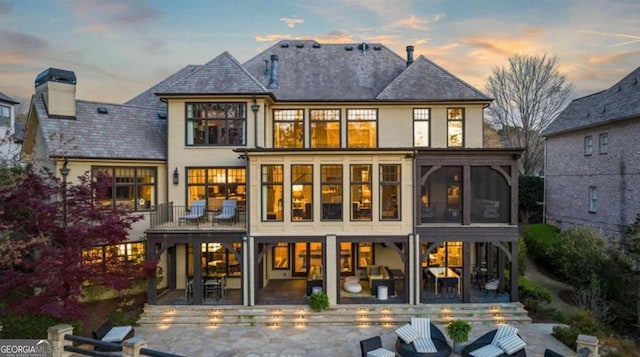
(588, 343)
(132, 347)
(56, 335)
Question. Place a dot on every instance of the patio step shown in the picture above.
(346, 315)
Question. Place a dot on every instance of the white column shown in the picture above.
(248, 252)
(416, 269)
(330, 272)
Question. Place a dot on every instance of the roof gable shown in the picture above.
(310, 71)
(148, 98)
(222, 75)
(426, 81)
(621, 101)
(5, 98)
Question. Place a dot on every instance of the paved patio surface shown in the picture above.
(260, 341)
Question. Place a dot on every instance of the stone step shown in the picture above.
(202, 315)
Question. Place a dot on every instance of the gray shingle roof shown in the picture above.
(148, 98)
(426, 81)
(308, 70)
(125, 132)
(621, 101)
(5, 98)
(222, 75)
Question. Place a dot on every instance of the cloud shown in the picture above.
(20, 47)
(5, 8)
(271, 37)
(415, 23)
(613, 57)
(629, 39)
(291, 21)
(329, 37)
(104, 16)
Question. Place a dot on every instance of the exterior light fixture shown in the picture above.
(176, 176)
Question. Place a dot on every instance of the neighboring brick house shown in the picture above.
(336, 158)
(592, 163)
(10, 133)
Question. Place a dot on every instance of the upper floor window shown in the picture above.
(216, 184)
(128, 252)
(361, 192)
(455, 127)
(421, 120)
(362, 128)
(331, 188)
(301, 192)
(588, 145)
(216, 123)
(593, 199)
(288, 128)
(325, 128)
(441, 195)
(272, 193)
(490, 195)
(389, 192)
(133, 188)
(604, 143)
(5, 116)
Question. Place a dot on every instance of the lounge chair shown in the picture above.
(228, 213)
(372, 347)
(493, 339)
(113, 336)
(408, 349)
(197, 212)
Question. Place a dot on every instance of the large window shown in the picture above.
(604, 143)
(272, 193)
(133, 188)
(301, 192)
(441, 195)
(216, 259)
(455, 127)
(216, 123)
(325, 128)
(127, 252)
(281, 259)
(216, 185)
(5, 116)
(490, 195)
(362, 128)
(389, 192)
(361, 192)
(331, 188)
(588, 145)
(421, 122)
(288, 128)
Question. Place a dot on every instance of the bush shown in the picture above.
(532, 294)
(522, 257)
(318, 301)
(530, 196)
(27, 326)
(542, 242)
(579, 323)
(581, 255)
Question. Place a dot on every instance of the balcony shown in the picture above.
(166, 216)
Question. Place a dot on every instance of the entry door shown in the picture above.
(305, 255)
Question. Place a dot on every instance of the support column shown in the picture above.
(197, 274)
(331, 275)
(514, 272)
(466, 272)
(411, 269)
(250, 283)
(56, 335)
(132, 347)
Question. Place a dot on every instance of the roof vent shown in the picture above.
(348, 48)
(162, 116)
(604, 108)
(284, 45)
(635, 81)
(103, 110)
(266, 67)
(299, 45)
(377, 47)
(316, 45)
(363, 46)
(619, 88)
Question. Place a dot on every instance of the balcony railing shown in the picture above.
(168, 216)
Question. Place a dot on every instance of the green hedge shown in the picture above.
(532, 294)
(28, 326)
(542, 242)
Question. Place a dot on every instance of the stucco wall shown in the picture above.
(569, 174)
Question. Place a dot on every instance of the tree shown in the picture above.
(42, 270)
(528, 94)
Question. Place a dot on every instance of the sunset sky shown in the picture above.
(119, 48)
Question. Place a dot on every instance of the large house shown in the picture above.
(10, 134)
(337, 167)
(592, 164)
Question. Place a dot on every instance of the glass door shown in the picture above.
(305, 256)
(346, 258)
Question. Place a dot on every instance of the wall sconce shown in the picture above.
(176, 176)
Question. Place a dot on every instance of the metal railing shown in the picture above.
(167, 215)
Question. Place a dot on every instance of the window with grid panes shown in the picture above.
(133, 188)
(361, 192)
(421, 126)
(325, 128)
(288, 128)
(362, 128)
(455, 127)
(331, 192)
(272, 193)
(389, 192)
(216, 124)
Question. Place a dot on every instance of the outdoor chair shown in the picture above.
(448, 285)
(197, 212)
(113, 336)
(410, 349)
(228, 213)
(372, 347)
(551, 353)
(493, 285)
(495, 339)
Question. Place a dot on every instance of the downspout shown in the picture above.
(417, 262)
(255, 107)
(544, 185)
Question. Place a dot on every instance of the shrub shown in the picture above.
(530, 196)
(581, 255)
(28, 326)
(542, 241)
(581, 322)
(318, 301)
(532, 294)
(458, 331)
(522, 257)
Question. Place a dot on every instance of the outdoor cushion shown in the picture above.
(424, 345)
(381, 352)
(487, 351)
(422, 325)
(407, 333)
(511, 344)
(503, 331)
(117, 334)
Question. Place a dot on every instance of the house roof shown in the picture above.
(124, 132)
(426, 81)
(5, 98)
(621, 101)
(148, 98)
(222, 75)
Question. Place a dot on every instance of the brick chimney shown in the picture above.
(273, 82)
(58, 88)
(409, 55)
